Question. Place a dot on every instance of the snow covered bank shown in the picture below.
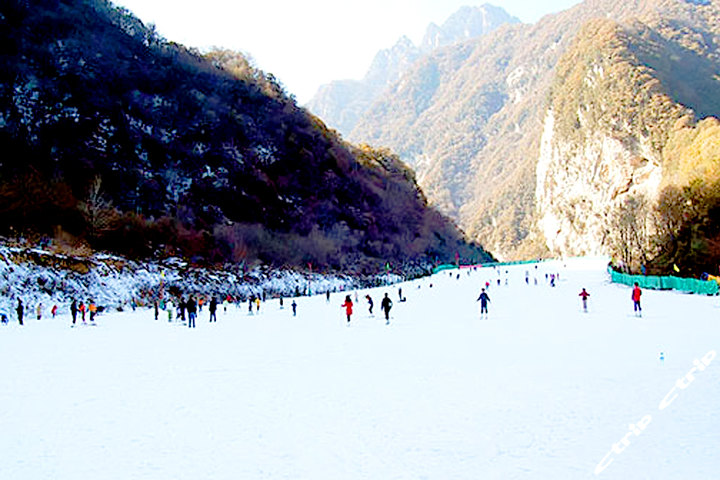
(38, 276)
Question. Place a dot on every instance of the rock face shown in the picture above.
(528, 135)
(343, 102)
(578, 186)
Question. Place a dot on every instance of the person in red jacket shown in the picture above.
(636, 293)
(584, 294)
(348, 307)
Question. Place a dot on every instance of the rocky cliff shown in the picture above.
(622, 92)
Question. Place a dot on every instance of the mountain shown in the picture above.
(342, 102)
(121, 140)
(529, 135)
(466, 23)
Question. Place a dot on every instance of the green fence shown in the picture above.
(450, 266)
(689, 285)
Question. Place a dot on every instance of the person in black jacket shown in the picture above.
(73, 311)
(386, 305)
(484, 299)
(213, 309)
(20, 311)
(191, 307)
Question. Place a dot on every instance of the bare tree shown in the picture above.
(97, 210)
(631, 232)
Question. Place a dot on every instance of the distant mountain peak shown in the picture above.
(468, 22)
(340, 104)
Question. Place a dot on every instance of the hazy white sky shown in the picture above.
(306, 43)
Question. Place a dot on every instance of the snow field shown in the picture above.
(537, 390)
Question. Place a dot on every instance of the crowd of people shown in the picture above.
(185, 309)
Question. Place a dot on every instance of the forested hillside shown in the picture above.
(115, 138)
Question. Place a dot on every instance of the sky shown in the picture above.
(309, 43)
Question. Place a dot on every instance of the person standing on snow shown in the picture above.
(348, 307)
(73, 311)
(20, 311)
(584, 295)
(92, 308)
(636, 293)
(39, 311)
(386, 305)
(181, 309)
(213, 310)
(370, 303)
(191, 307)
(483, 299)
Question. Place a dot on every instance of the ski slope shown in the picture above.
(538, 390)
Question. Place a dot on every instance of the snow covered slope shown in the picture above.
(538, 390)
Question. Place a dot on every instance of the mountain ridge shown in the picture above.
(342, 102)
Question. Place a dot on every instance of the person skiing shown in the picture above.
(294, 308)
(191, 307)
(81, 308)
(213, 310)
(584, 295)
(370, 303)
(20, 311)
(39, 311)
(483, 299)
(386, 305)
(348, 307)
(636, 293)
(170, 310)
(54, 311)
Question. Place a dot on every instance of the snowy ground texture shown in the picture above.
(538, 390)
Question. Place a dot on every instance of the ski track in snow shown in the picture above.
(537, 390)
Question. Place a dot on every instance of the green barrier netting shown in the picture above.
(689, 285)
(440, 268)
